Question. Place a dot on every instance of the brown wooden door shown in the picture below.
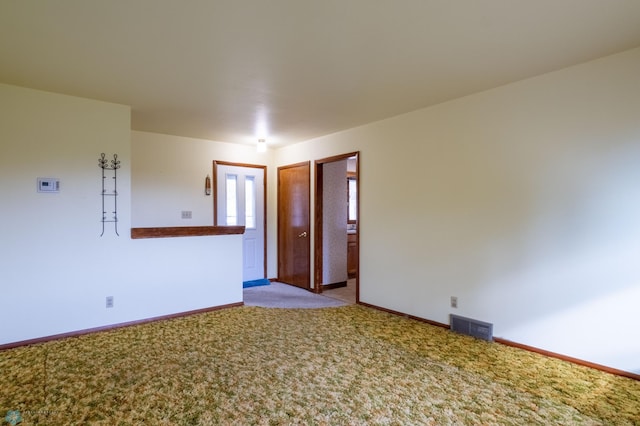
(294, 233)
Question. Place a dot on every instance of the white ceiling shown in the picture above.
(291, 70)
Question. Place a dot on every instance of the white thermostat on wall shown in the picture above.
(48, 185)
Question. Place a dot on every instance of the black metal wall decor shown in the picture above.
(112, 192)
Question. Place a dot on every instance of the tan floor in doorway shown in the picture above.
(346, 294)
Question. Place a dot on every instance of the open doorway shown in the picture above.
(337, 230)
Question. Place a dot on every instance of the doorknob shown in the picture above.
(303, 235)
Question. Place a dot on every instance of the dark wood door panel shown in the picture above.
(294, 264)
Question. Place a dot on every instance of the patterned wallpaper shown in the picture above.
(334, 230)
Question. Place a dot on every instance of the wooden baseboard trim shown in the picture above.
(568, 358)
(402, 314)
(114, 326)
(506, 342)
(334, 285)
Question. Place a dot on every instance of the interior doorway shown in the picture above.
(337, 230)
(294, 228)
(239, 199)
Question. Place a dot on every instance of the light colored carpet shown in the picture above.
(278, 295)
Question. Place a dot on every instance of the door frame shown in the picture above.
(217, 163)
(318, 220)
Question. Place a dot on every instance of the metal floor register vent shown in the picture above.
(471, 327)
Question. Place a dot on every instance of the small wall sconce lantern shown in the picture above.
(207, 185)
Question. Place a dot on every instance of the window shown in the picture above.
(232, 197)
(250, 202)
(236, 206)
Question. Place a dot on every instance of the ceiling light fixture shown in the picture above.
(262, 145)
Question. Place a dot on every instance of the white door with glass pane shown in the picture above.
(240, 201)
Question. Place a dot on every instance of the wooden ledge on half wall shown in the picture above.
(185, 231)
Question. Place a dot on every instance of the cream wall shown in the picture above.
(56, 269)
(168, 177)
(522, 201)
(169, 173)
